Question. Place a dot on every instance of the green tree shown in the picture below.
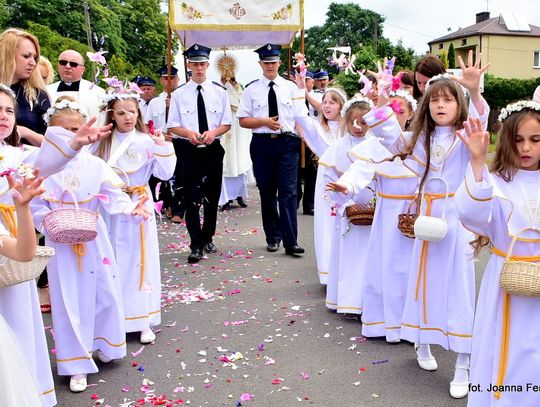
(444, 58)
(451, 56)
(4, 13)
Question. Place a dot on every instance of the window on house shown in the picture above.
(440, 46)
(536, 59)
(464, 41)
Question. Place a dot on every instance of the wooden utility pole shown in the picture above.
(87, 22)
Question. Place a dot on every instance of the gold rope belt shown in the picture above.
(80, 251)
(142, 191)
(390, 196)
(7, 212)
(505, 335)
(422, 272)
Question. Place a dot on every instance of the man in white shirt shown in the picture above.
(71, 69)
(270, 106)
(200, 113)
(148, 86)
(157, 112)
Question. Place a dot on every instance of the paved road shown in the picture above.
(252, 323)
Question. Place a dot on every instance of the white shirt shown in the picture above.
(291, 102)
(89, 95)
(143, 106)
(183, 107)
(156, 112)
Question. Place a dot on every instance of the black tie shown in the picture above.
(272, 101)
(201, 112)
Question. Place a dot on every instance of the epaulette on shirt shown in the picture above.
(220, 85)
(251, 82)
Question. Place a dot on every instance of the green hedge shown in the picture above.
(499, 92)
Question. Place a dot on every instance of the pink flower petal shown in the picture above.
(246, 397)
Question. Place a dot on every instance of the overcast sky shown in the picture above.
(414, 22)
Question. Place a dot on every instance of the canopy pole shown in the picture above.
(169, 60)
(303, 143)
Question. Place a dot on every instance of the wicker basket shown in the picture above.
(71, 225)
(15, 272)
(361, 214)
(406, 221)
(520, 277)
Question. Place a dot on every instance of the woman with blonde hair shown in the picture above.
(46, 70)
(19, 56)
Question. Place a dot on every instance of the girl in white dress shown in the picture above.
(19, 304)
(348, 246)
(389, 251)
(87, 306)
(18, 387)
(503, 207)
(319, 135)
(135, 156)
(439, 305)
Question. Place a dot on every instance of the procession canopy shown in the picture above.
(236, 25)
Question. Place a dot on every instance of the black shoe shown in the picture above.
(210, 247)
(241, 202)
(295, 250)
(195, 256)
(225, 207)
(272, 247)
(309, 212)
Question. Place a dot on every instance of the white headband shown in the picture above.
(407, 96)
(355, 100)
(64, 104)
(518, 107)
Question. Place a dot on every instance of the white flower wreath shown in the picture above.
(518, 107)
(407, 96)
(355, 100)
(64, 104)
(7, 89)
(118, 96)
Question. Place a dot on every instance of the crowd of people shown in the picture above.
(397, 177)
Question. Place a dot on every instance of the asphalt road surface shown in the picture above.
(247, 327)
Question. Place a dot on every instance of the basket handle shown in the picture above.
(123, 173)
(72, 196)
(514, 239)
(416, 203)
(447, 188)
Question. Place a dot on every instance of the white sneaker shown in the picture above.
(101, 356)
(147, 336)
(77, 383)
(425, 362)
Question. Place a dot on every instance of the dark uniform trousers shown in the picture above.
(177, 206)
(202, 170)
(275, 166)
(309, 175)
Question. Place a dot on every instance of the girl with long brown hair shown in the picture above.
(136, 155)
(502, 205)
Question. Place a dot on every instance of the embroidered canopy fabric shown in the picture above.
(236, 25)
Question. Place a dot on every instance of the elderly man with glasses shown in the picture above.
(71, 69)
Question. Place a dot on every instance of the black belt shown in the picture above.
(276, 135)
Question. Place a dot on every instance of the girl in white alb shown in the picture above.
(135, 156)
(389, 251)
(502, 206)
(439, 304)
(19, 304)
(87, 306)
(319, 135)
(348, 245)
(18, 384)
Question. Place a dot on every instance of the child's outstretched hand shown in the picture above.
(158, 137)
(88, 134)
(477, 142)
(140, 209)
(471, 73)
(27, 189)
(336, 187)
